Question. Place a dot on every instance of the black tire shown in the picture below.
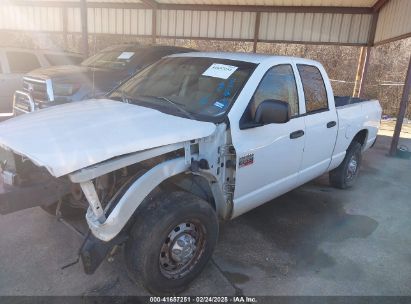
(345, 175)
(148, 252)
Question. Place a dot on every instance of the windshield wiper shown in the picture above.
(176, 105)
(123, 97)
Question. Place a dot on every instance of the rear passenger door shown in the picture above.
(321, 122)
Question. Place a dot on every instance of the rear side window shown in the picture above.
(314, 88)
(60, 59)
(22, 62)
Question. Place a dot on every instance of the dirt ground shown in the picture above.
(315, 240)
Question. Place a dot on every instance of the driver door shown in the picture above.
(269, 157)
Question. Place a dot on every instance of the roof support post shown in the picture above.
(84, 28)
(64, 25)
(363, 63)
(153, 4)
(401, 112)
(256, 31)
(154, 25)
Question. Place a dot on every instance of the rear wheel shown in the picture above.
(171, 241)
(345, 175)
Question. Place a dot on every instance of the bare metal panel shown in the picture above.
(30, 18)
(119, 21)
(315, 27)
(206, 24)
(394, 20)
(73, 19)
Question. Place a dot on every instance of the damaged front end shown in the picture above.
(24, 185)
(115, 188)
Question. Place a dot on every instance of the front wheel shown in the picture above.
(171, 241)
(346, 173)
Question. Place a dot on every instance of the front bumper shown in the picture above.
(15, 198)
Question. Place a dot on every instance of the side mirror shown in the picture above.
(272, 111)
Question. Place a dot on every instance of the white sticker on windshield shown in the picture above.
(220, 70)
(126, 55)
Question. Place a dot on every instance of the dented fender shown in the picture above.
(133, 197)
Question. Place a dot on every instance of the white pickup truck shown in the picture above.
(192, 140)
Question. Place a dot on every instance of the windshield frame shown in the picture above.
(118, 93)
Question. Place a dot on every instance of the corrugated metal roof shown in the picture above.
(394, 20)
(340, 26)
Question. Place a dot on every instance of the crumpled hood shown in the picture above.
(73, 136)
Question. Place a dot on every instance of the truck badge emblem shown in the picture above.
(246, 160)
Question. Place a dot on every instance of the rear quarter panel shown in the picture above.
(352, 119)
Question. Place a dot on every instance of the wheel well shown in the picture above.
(197, 185)
(361, 137)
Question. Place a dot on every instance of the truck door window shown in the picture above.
(22, 62)
(314, 89)
(278, 83)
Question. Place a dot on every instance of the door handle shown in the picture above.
(296, 134)
(331, 124)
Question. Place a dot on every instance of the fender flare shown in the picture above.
(133, 198)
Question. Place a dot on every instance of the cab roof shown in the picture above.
(246, 57)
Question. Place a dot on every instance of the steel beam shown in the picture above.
(373, 28)
(400, 37)
(202, 7)
(268, 8)
(362, 70)
(84, 28)
(379, 5)
(154, 25)
(365, 71)
(151, 3)
(65, 32)
(256, 31)
(402, 111)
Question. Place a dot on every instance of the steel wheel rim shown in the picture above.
(181, 250)
(352, 167)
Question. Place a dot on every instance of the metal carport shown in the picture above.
(362, 23)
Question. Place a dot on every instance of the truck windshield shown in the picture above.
(117, 60)
(198, 87)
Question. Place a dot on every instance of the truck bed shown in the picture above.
(341, 101)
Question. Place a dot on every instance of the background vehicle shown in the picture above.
(15, 62)
(95, 76)
(199, 137)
